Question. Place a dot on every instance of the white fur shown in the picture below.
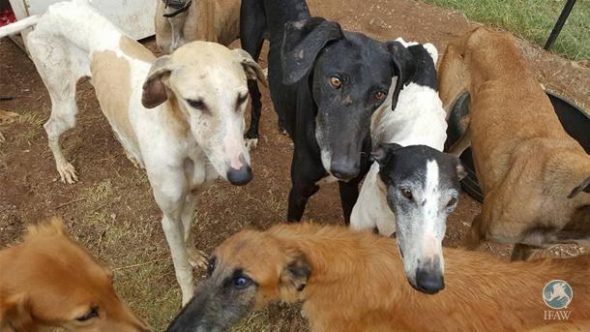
(418, 119)
(62, 45)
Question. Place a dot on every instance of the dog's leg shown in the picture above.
(349, 193)
(474, 237)
(461, 145)
(305, 172)
(252, 29)
(196, 258)
(173, 230)
(521, 252)
(60, 65)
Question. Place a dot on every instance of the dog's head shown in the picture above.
(349, 76)
(52, 282)
(205, 85)
(422, 188)
(247, 271)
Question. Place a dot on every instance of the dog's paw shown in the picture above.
(251, 143)
(67, 173)
(197, 258)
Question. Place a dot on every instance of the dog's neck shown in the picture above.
(358, 278)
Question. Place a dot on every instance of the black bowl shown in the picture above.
(575, 121)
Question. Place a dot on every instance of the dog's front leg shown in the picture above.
(184, 273)
(196, 258)
(305, 172)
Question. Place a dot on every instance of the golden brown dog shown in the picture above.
(211, 20)
(354, 281)
(535, 178)
(50, 281)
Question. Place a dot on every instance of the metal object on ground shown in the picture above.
(565, 13)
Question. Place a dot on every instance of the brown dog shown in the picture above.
(50, 281)
(355, 281)
(535, 178)
(182, 21)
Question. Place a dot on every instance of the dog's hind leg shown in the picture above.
(252, 30)
(60, 65)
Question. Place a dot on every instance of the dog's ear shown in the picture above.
(15, 311)
(294, 275)
(584, 186)
(403, 64)
(303, 40)
(155, 91)
(251, 67)
(382, 153)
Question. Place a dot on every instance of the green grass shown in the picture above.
(532, 20)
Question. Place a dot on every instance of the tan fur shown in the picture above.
(48, 280)
(106, 68)
(211, 20)
(526, 163)
(135, 50)
(357, 282)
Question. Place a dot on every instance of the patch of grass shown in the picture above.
(532, 20)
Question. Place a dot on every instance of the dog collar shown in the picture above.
(169, 3)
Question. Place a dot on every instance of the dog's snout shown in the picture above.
(239, 176)
(429, 281)
(344, 170)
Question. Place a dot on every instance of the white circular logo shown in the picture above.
(557, 294)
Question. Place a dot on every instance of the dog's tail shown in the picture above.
(18, 26)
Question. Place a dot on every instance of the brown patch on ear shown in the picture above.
(155, 91)
(585, 187)
(251, 67)
(294, 276)
(15, 313)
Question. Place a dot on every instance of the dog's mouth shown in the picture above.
(178, 6)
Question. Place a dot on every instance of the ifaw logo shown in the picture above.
(557, 295)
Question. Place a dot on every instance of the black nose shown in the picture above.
(240, 176)
(428, 281)
(344, 170)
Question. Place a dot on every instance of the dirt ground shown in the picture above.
(112, 211)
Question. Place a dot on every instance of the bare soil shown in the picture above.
(112, 211)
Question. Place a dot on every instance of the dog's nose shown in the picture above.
(239, 176)
(428, 281)
(344, 170)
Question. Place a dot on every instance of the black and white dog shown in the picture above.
(410, 191)
(325, 85)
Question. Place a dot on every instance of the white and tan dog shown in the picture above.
(185, 126)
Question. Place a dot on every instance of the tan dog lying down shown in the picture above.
(535, 178)
(48, 280)
(181, 21)
(354, 281)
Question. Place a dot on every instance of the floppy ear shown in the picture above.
(251, 67)
(295, 274)
(303, 40)
(404, 67)
(16, 313)
(155, 91)
(382, 153)
(461, 172)
(585, 187)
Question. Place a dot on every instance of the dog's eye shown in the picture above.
(335, 82)
(380, 95)
(241, 99)
(92, 313)
(452, 202)
(241, 282)
(211, 266)
(196, 103)
(407, 193)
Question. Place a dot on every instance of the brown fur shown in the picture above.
(526, 163)
(48, 280)
(211, 20)
(357, 282)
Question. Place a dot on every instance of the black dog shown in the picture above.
(325, 84)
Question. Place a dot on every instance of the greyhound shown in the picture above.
(325, 84)
(401, 177)
(181, 117)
